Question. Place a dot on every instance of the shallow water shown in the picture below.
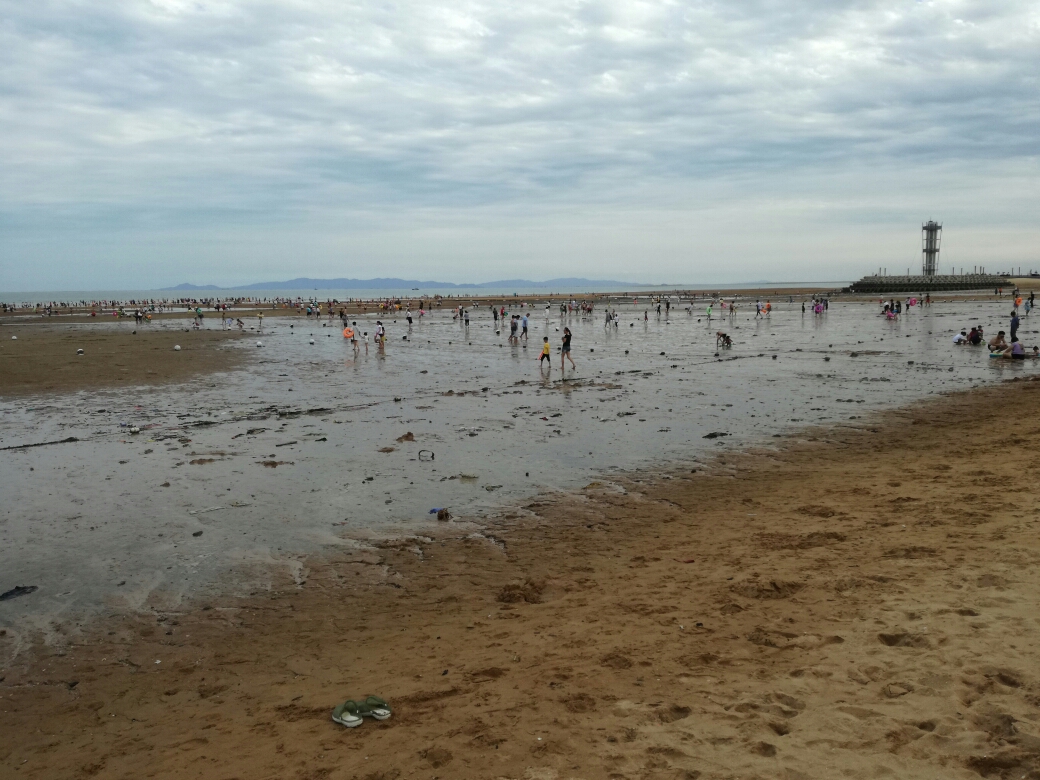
(92, 525)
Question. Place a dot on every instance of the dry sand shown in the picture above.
(855, 604)
(43, 358)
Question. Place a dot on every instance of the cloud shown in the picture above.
(315, 131)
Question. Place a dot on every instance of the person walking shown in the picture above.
(565, 353)
(545, 357)
(1014, 325)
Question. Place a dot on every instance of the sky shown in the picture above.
(144, 143)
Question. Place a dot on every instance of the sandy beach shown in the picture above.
(42, 357)
(371, 359)
(849, 603)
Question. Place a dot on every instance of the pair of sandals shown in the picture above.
(352, 713)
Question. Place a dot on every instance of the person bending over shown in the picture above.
(1016, 351)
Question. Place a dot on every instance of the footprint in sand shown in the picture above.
(437, 756)
(673, 713)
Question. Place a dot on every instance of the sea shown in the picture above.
(32, 297)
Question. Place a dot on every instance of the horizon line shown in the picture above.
(653, 287)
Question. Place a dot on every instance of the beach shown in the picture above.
(371, 407)
(118, 347)
(141, 493)
(45, 360)
(854, 603)
(812, 555)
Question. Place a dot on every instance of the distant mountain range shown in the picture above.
(305, 283)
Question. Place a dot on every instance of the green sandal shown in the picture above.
(348, 714)
(374, 707)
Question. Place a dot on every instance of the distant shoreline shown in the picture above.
(395, 283)
(276, 304)
(343, 295)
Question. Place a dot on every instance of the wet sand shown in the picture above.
(43, 359)
(856, 603)
(307, 444)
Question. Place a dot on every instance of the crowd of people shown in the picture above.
(892, 308)
(1004, 344)
(1000, 345)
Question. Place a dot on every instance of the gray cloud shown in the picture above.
(223, 141)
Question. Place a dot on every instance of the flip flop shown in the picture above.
(348, 714)
(374, 707)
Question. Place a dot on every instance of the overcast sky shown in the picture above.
(149, 142)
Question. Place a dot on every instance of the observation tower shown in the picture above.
(931, 235)
(930, 279)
